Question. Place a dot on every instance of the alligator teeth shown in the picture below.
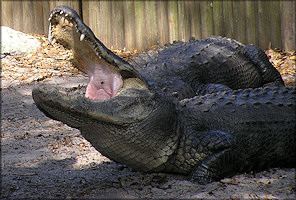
(53, 41)
(98, 54)
(50, 33)
(82, 37)
(49, 37)
(50, 16)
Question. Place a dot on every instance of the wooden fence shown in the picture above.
(136, 24)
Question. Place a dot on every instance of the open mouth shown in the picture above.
(107, 72)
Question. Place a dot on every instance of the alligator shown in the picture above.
(207, 108)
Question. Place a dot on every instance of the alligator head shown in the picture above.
(112, 114)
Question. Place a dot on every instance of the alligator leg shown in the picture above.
(270, 75)
(219, 165)
(223, 160)
(209, 155)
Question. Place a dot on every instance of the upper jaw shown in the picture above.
(71, 30)
(106, 71)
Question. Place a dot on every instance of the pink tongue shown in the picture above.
(103, 83)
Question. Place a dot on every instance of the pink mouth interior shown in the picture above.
(104, 82)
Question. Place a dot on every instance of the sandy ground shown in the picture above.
(42, 158)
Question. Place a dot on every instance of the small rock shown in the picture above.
(229, 181)
(158, 192)
(265, 180)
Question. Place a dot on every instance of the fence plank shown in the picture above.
(151, 26)
(275, 20)
(264, 23)
(129, 24)
(184, 23)
(218, 17)
(28, 17)
(228, 18)
(7, 16)
(86, 10)
(141, 39)
(38, 19)
(117, 25)
(162, 21)
(288, 25)
(206, 18)
(90, 15)
(251, 20)
(173, 21)
(93, 17)
(187, 20)
(17, 19)
(46, 10)
(103, 20)
(194, 10)
(239, 21)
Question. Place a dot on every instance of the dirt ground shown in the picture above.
(42, 158)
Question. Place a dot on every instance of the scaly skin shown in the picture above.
(238, 131)
(203, 66)
(211, 136)
(179, 110)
